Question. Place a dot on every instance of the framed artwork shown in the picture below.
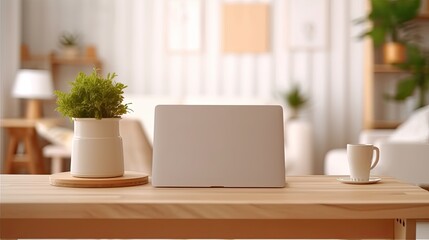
(307, 31)
(184, 25)
(245, 27)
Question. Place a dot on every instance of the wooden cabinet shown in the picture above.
(379, 79)
(54, 61)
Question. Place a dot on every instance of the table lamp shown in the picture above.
(33, 85)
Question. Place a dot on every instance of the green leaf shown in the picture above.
(378, 35)
(404, 89)
(294, 98)
(406, 10)
(416, 61)
(380, 8)
(93, 96)
(388, 18)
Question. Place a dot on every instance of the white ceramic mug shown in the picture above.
(361, 160)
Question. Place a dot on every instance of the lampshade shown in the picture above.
(33, 84)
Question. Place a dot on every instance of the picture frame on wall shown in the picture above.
(184, 24)
(246, 27)
(307, 31)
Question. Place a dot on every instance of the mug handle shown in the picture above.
(377, 156)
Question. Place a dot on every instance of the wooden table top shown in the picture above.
(304, 197)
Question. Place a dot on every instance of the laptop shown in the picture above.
(218, 146)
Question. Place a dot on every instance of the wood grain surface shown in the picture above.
(306, 197)
(308, 207)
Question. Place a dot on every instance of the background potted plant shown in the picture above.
(295, 100)
(388, 19)
(298, 132)
(69, 44)
(95, 104)
(417, 64)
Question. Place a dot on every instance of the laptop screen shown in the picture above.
(218, 146)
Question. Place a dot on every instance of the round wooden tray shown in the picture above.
(65, 179)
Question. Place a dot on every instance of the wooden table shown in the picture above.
(23, 131)
(309, 207)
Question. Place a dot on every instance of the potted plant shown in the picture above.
(417, 64)
(297, 131)
(388, 19)
(295, 100)
(69, 45)
(95, 104)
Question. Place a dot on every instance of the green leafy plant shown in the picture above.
(417, 64)
(295, 100)
(68, 39)
(92, 96)
(388, 18)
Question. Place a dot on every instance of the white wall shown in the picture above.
(130, 39)
(10, 35)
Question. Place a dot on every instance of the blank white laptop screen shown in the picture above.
(218, 146)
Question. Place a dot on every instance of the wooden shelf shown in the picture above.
(423, 17)
(378, 78)
(385, 124)
(75, 61)
(53, 59)
(385, 68)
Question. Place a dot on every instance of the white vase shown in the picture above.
(97, 150)
(299, 143)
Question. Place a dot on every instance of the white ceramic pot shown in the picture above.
(97, 150)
